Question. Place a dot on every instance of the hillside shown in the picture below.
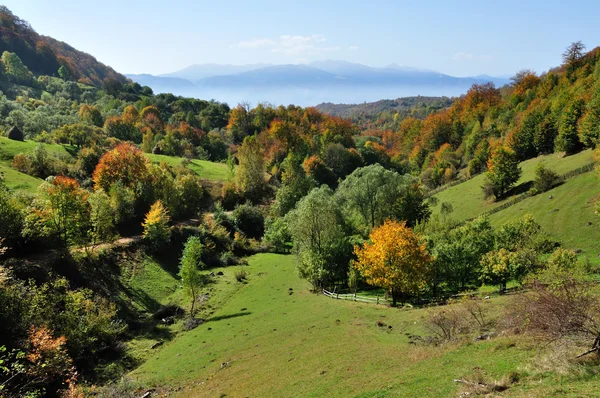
(326, 347)
(386, 114)
(565, 212)
(44, 55)
(467, 198)
(15, 179)
(206, 170)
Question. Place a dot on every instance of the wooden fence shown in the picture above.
(355, 297)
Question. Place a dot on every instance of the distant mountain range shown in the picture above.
(308, 84)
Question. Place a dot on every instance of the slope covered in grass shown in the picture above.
(203, 168)
(15, 179)
(272, 337)
(568, 217)
(467, 197)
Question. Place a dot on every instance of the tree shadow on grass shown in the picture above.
(230, 316)
(518, 190)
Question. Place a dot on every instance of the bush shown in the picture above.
(545, 178)
(445, 323)
(22, 163)
(240, 275)
(249, 220)
(156, 226)
(228, 258)
(229, 196)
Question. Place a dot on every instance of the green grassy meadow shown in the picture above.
(272, 337)
(15, 179)
(467, 198)
(203, 168)
(568, 217)
(19, 181)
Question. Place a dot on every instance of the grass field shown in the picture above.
(467, 198)
(271, 337)
(207, 170)
(15, 179)
(566, 216)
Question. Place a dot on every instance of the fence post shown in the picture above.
(337, 296)
(354, 296)
(378, 299)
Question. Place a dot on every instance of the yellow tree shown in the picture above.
(394, 258)
(156, 226)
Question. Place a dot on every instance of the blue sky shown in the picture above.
(461, 38)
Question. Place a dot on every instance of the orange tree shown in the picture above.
(125, 163)
(394, 258)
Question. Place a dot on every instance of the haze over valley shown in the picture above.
(308, 84)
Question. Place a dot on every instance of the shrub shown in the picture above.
(278, 235)
(545, 178)
(240, 275)
(228, 258)
(22, 163)
(229, 196)
(249, 220)
(445, 323)
(156, 226)
(562, 306)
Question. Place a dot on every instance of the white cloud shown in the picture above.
(465, 56)
(353, 48)
(256, 43)
(293, 45)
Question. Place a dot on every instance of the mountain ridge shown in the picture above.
(310, 83)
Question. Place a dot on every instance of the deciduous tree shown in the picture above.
(190, 266)
(394, 258)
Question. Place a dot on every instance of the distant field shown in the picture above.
(271, 337)
(467, 198)
(17, 180)
(207, 170)
(9, 148)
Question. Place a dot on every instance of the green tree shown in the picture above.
(504, 172)
(16, 71)
(295, 185)
(189, 272)
(411, 205)
(249, 220)
(278, 234)
(500, 266)
(250, 173)
(545, 178)
(319, 241)
(60, 211)
(568, 138)
(64, 73)
(572, 55)
(368, 196)
(459, 251)
(101, 217)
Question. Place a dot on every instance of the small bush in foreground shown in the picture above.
(241, 275)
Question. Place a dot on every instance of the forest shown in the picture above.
(101, 176)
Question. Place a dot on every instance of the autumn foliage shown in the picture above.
(125, 163)
(394, 258)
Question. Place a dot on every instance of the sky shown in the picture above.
(460, 38)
